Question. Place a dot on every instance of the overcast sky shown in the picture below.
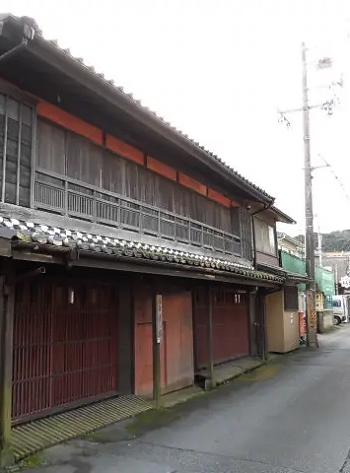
(219, 70)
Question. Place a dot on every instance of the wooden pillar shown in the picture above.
(157, 324)
(210, 338)
(253, 323)
(265, 348)
(7, 303)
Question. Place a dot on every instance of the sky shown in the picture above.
(219, 70)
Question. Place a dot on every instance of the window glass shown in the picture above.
(13, 109)
(264, 237)
(291, 298)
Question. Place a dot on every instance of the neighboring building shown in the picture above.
(291, 245)
(127, 255)
(340, 263)
(325, 286)
(297, 266)
(292, 256)
(285, 308)
(325, 275)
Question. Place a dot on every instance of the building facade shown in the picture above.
(285, 306)
(127, 251)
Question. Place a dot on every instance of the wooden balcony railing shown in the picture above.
(73, 198)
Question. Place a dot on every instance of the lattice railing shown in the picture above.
(69, 197)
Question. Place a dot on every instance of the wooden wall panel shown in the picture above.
(177, 345)
(178, 341)
(51, 153)
(64, 119)
(113, 173)
(230, 326)
(85, 161)
(190, 206)
(244, 225)
(265, 258)
(68, 153)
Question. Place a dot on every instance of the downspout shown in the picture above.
(264, 334)
(12, 51)
(28, 35)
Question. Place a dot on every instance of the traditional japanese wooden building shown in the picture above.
(126, 249)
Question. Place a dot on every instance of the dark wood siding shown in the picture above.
(230, 326)
(66, 153)
(177, 341)
(246, 233)
(264, 258)
(51, 150)
(15, 151)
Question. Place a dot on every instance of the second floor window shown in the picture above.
(264, 237)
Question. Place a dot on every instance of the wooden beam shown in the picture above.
(253, 323)
(7, 303)
(146, 266)
(157, 325)
(5, 247)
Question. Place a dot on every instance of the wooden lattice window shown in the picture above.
(16, 121)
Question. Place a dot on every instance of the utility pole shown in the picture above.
(336, 279)
(311, 321)
(328, 106)
(319, 246)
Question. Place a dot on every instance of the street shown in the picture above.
(290, 416)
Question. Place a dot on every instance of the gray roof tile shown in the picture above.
(30, 232)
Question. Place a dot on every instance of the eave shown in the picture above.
(288, 276)
(97, 88)
(281, 216)
(36, 242)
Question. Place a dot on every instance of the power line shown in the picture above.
(336, 177)
(346, 246)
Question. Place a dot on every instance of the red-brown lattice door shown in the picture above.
(230, 326)
(65, 346)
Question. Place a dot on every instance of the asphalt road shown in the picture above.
(291, 416)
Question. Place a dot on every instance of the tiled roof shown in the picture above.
(282, 272)
(119, 91)
(43, 235)
(285, 236)
(283, 216)
(297, 277)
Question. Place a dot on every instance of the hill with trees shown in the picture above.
(334, 241)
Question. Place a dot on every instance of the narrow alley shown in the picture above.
(290, 416)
